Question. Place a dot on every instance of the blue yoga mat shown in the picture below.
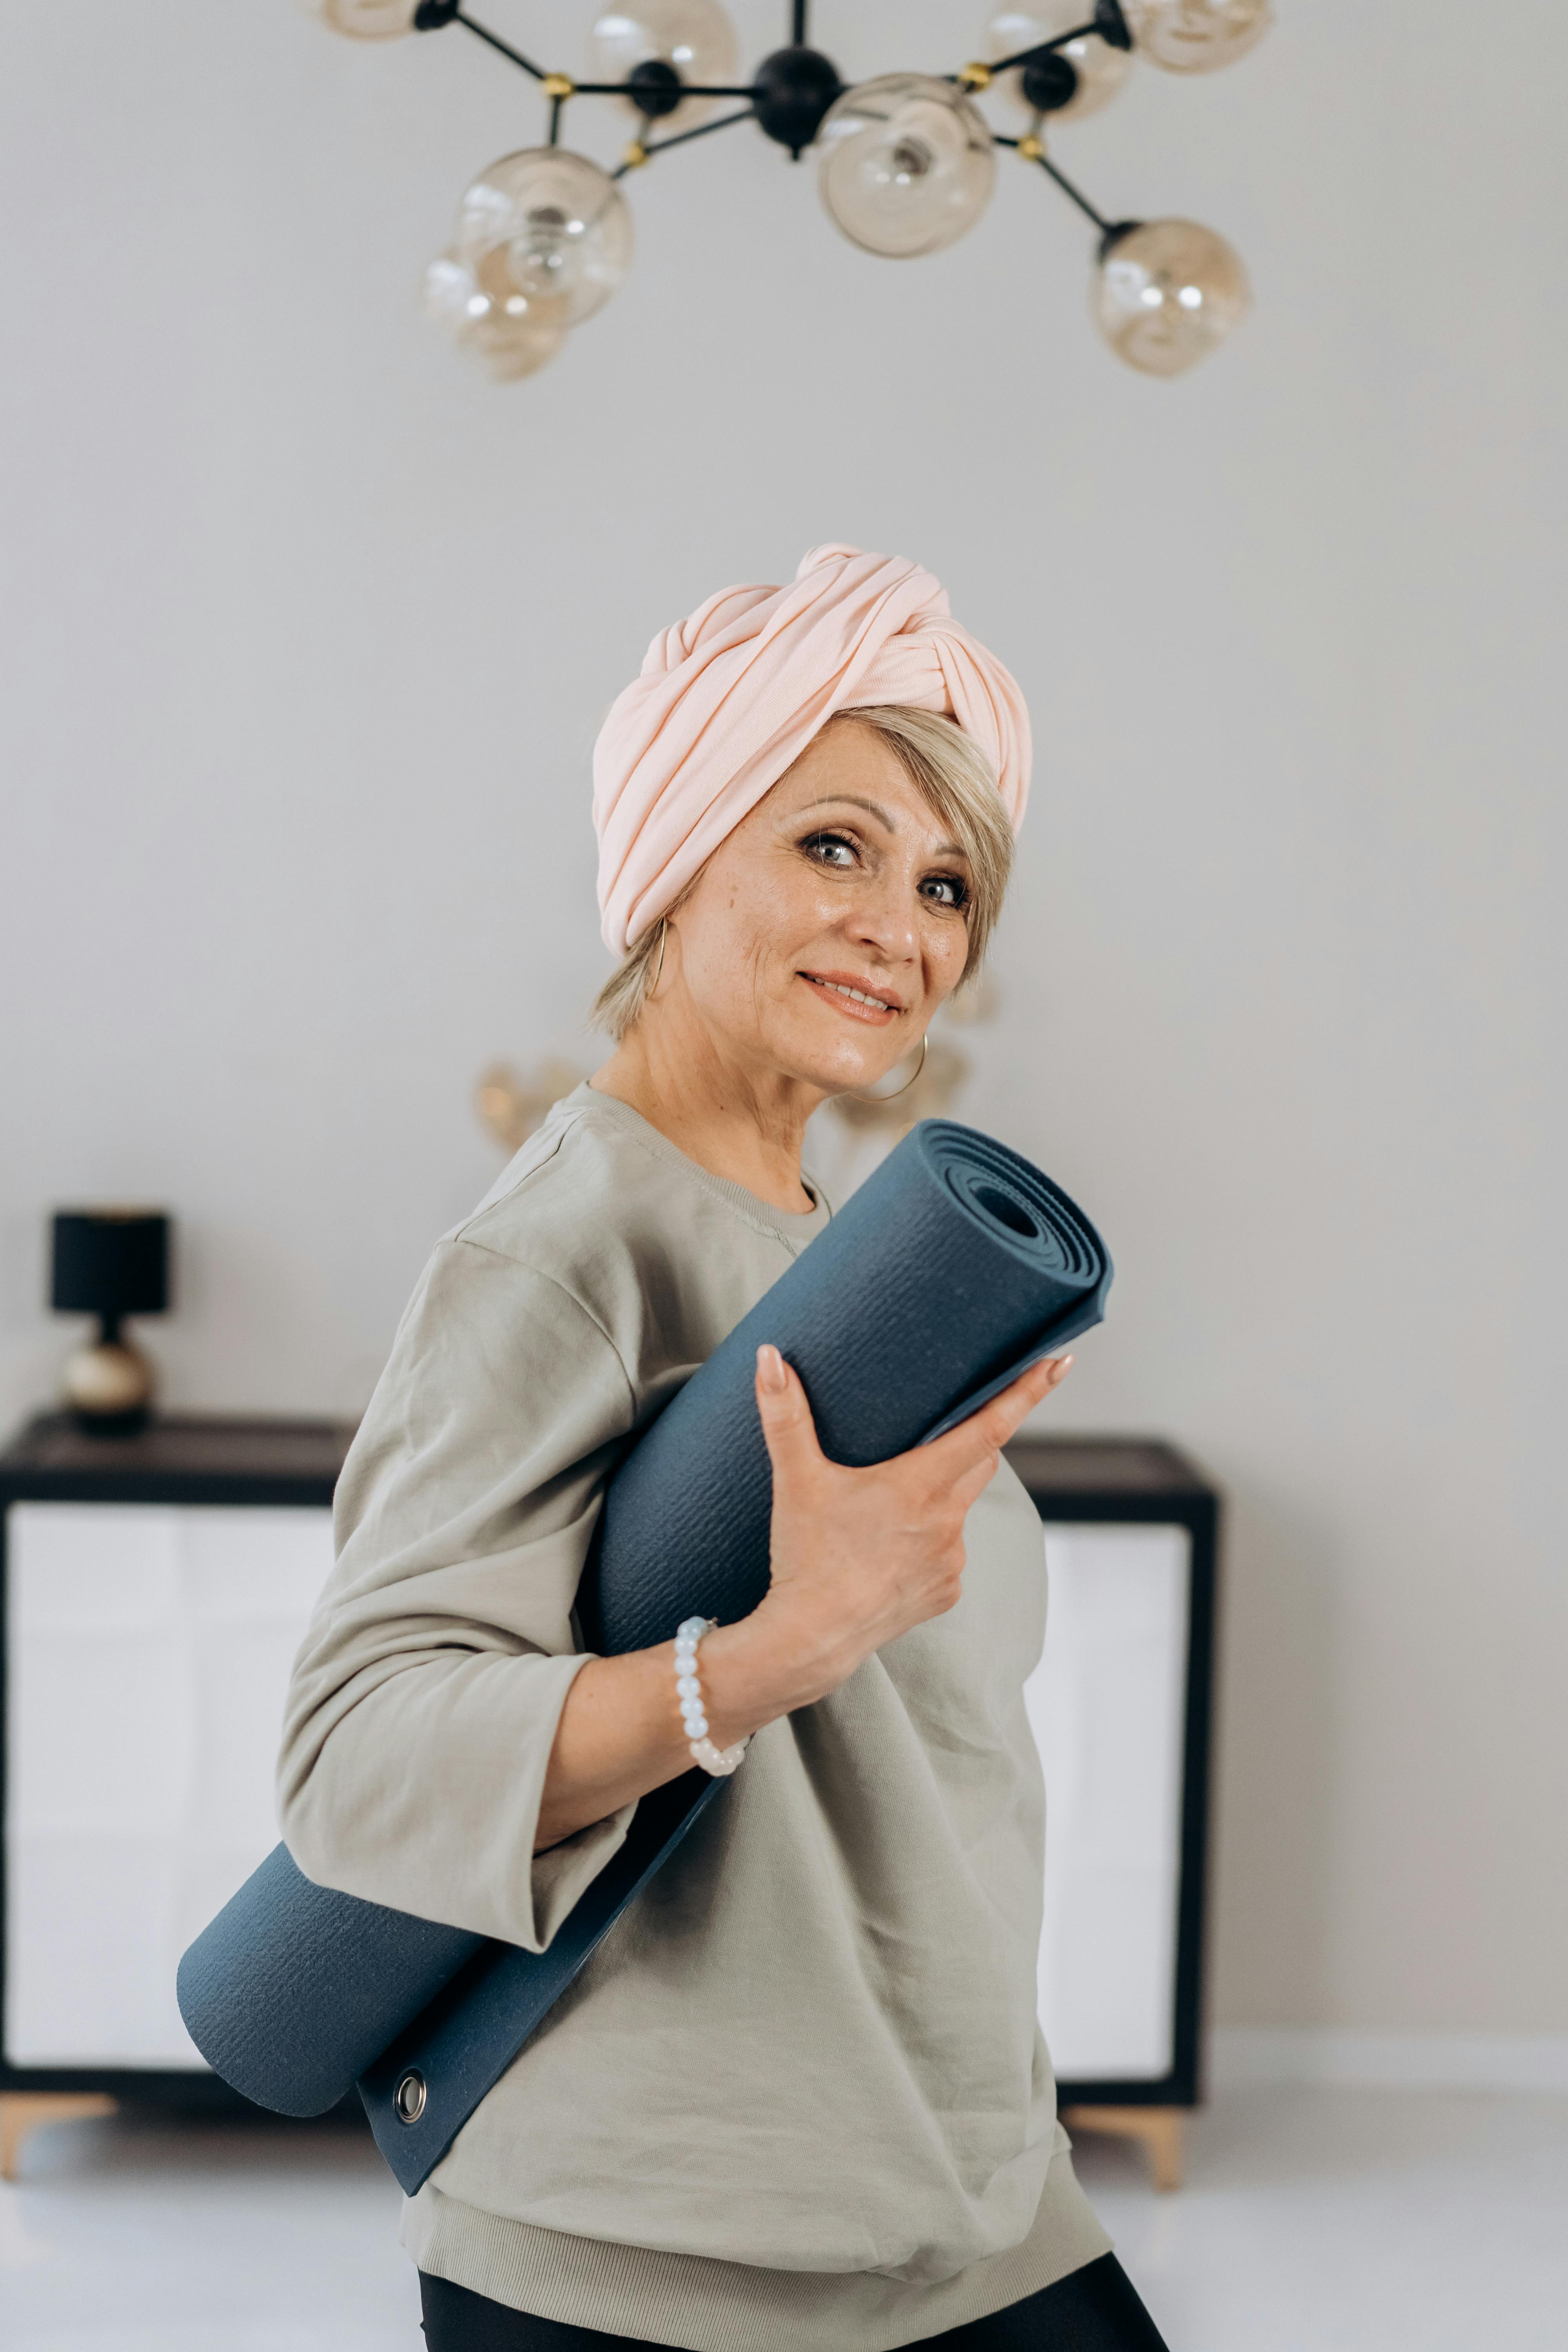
(954, 1266)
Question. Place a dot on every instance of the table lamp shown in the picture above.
(109, 1262)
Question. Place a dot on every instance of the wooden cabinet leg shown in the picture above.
(20, 2110)
(1157, 2129)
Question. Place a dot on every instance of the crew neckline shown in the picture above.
(797, 1226)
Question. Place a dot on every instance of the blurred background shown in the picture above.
(307, 631)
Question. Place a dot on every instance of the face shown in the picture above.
(824, 932)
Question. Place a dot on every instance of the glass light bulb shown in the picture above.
(1167, 293)
(695, 36)
(907, 164)
(1101, 70)
(483, 312)
(364, 20)
(561, 224)
(1197, 36)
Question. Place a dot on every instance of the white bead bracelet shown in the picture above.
(689, 1690)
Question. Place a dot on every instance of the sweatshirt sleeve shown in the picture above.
(424, 1700)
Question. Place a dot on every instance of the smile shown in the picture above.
(856, 1004)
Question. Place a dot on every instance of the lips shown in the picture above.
(855, 998)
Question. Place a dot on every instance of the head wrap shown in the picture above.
(729, 698)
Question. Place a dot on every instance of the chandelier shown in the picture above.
(906, 162)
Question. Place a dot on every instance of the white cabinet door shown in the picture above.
(1107, 1706)
(148, 1655)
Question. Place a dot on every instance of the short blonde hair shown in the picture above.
(951, 774)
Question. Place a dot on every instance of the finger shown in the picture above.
(994, 1423)
(971, 1484)
(788, 1430)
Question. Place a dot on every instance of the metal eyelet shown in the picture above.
(408, 2099)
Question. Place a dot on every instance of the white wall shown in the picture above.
(307, 636)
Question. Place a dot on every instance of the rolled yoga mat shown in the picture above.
(954, 1266)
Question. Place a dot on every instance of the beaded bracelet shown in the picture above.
(689, 1690)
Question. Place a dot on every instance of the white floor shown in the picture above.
(1312, 2221)
(1353, 2221)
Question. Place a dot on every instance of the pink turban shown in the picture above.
(729, 698)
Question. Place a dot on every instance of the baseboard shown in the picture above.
(1244, 2057)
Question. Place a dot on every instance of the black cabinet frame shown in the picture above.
(1124, 1482)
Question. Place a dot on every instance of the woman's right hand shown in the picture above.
(858, 1556)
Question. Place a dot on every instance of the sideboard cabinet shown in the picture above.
(154, 1590)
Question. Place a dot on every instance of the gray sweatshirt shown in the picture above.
(798, 2098)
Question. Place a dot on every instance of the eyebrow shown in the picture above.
(944, 849)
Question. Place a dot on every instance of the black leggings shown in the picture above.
(1095, 2309)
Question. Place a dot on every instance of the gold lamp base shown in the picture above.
(109, 1385)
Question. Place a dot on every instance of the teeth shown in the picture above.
(858, 994)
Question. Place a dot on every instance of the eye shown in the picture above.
(945, 890)
(834, 849)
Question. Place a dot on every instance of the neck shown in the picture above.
(734, 1118)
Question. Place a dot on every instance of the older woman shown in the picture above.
(798, 2100)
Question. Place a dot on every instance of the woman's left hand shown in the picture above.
(858, 1557)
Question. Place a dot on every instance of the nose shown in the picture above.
(885, 923)
(883, 920)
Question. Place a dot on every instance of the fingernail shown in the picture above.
(1064, 1366)
(770, 1368)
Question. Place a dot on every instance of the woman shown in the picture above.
(798, 2098)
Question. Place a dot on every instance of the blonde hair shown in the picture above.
(956, 779)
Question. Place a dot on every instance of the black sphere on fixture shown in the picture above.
(654, 87)
(1049, 82)
(1110, 23)
(792, 91)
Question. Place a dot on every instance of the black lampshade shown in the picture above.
(110, 1262)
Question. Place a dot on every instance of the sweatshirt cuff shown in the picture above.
(563, 1874)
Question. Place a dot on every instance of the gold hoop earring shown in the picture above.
(663, 935)
(909, 1082)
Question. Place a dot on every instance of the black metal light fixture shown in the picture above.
(109, 1262)
(907, 161)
